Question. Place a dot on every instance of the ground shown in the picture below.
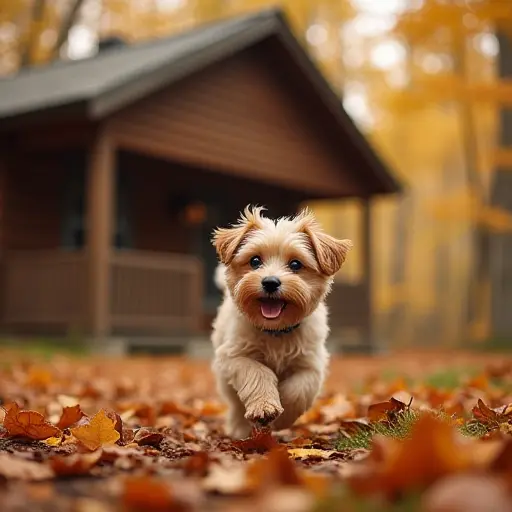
(415, 431)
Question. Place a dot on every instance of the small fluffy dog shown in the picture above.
(269, 333)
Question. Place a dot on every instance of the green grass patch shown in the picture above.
(45, 348)
(400, 428)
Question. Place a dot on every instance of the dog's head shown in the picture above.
(278, 271)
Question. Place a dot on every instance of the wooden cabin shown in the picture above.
(115, 169)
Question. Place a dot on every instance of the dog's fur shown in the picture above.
(271, 370)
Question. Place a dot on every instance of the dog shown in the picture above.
(269, 334)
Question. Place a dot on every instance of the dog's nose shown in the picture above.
(270, 284)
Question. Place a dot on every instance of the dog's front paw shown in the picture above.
(263, 412)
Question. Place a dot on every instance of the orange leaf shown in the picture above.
(430, 453)
(146, 493)
(100, 431)
(70, 416)
(29, 424)
(74, 465)
(383, 410)
(260, 441)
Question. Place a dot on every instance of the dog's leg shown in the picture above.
(255, 385)
(297, 392)
(237, 426)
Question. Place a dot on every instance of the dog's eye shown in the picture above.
(255, 262)
(295, 265)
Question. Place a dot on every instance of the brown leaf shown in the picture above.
(99, 432)
(431, 452)
(118, 422)
(145, 493)
(12, 467)
(75, 465)
(261, 441)
(29, 424)
(492, 417)
(385, 410)
(174, 408)
(197, 464)
(148, 437)
(70, 416)
(276, 469)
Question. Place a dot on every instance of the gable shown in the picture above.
(239, 117)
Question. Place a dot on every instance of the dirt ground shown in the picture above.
(99, 435)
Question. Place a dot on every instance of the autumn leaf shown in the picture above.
(431, 452)
(146, 493)
(492, 418)
(31, 424)
(75, 465)
(98, 432)
(261, 441)
(197, 464)
(148, 437)
(311, 454)
(70, 416)
(385, 410)
(54, 441)
(12, 467)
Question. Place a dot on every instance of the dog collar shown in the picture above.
(279, 332)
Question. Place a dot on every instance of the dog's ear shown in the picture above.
(329, 252)
(227, 240)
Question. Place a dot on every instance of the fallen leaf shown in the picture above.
(385, 410)
(260, 441)
(231, 480)
(145, 493)
(54, 441)
(310, 453)
(431, 452)
(99, 432)
(75, 465)
(148, 437)
(70, 416)
(197, 464)
(29, 424)
(12, 467)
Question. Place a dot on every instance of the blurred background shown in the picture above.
(428, 83)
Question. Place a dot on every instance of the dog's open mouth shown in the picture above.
(272, 308)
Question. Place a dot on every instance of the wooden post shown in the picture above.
(366, 255)
(100, 219)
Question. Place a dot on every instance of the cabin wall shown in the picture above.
(32, 202)
(241, 119)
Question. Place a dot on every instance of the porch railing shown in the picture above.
(154, 292)
(150, 293)
(44, 287)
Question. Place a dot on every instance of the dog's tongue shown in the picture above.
(271, 309)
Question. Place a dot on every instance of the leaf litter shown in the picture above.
(74, 435)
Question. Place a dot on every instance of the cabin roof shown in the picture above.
(119, 76)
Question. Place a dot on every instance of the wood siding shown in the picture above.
(32, 202)
(45, 288)
(238, 118)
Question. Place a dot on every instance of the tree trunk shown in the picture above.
(501, 196)
(36, 17)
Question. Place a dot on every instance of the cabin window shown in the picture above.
(74, 236)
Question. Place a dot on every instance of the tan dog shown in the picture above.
(270, 331)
